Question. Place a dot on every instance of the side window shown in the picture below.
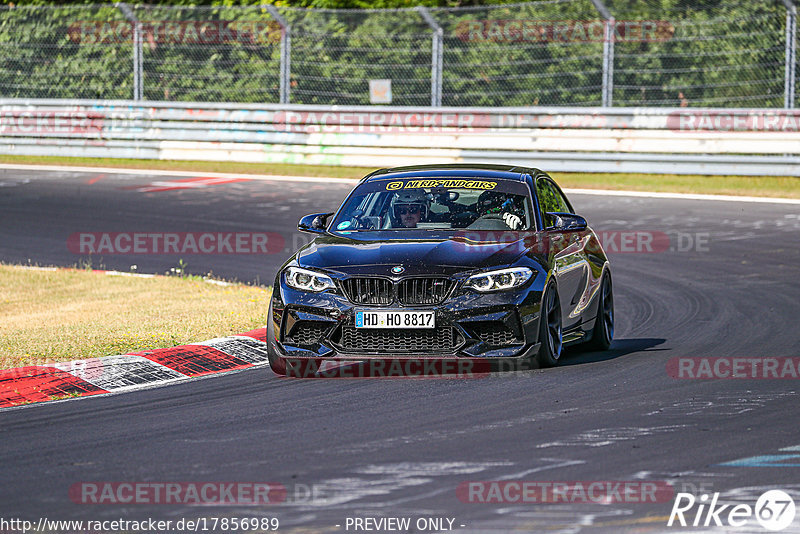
(562, 202)
(550, 199)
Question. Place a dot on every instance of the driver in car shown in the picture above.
(409, 208)
(500, 205)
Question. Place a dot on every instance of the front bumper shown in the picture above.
(501, 326)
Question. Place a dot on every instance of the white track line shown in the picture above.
(316, 179)
(161, 172)
(682, 196)
(118, 273)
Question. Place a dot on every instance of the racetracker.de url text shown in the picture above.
(197, 524)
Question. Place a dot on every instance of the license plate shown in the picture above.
(395, 319)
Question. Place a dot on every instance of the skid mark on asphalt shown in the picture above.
(427, 468)
(14, 182)
(721, 405)
(560, 519)
(602, 437)
(695, 482)
(429, 437)
(412, 486)
(789, 221)
(184, 183)
(667, 307)
(355, 491)
(570, 519)
(635, 309)
(384, 479)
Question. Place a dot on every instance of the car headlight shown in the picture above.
(305, 280)
(499, 280)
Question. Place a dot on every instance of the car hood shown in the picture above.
(417, 254)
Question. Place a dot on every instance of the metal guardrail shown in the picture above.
(655, 140)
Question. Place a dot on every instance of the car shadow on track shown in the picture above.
(619, 347)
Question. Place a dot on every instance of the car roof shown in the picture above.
(508, 172)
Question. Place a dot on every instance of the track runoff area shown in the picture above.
(686, 420)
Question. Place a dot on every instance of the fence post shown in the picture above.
(138, 84)
(286, 53)
(437, 56)
(607, 97)
(790, 58)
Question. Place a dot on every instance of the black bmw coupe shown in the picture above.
(444, 262)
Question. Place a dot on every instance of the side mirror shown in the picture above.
(566, 221)
(314, 223)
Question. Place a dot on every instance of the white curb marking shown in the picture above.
(681, 196)
(242, 347)
(117, 372)
(277, 178)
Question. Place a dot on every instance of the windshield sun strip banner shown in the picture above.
(445, 183)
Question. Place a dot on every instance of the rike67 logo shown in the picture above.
(774, 510)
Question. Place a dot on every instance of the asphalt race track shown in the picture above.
(729, 286)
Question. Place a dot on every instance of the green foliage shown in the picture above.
(717, 53)
(38, 59)
(709, 53)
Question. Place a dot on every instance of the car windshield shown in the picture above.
(436, 204)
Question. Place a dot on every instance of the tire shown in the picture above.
(603, 331)
(550, 331)
(276, 363)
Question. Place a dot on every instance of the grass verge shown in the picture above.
(49, 316)
(281, 169)
(757, 186)
(762, 186)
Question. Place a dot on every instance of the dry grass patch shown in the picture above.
(57, 315)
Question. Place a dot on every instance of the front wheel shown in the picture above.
(603, 332)
(550, 329)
